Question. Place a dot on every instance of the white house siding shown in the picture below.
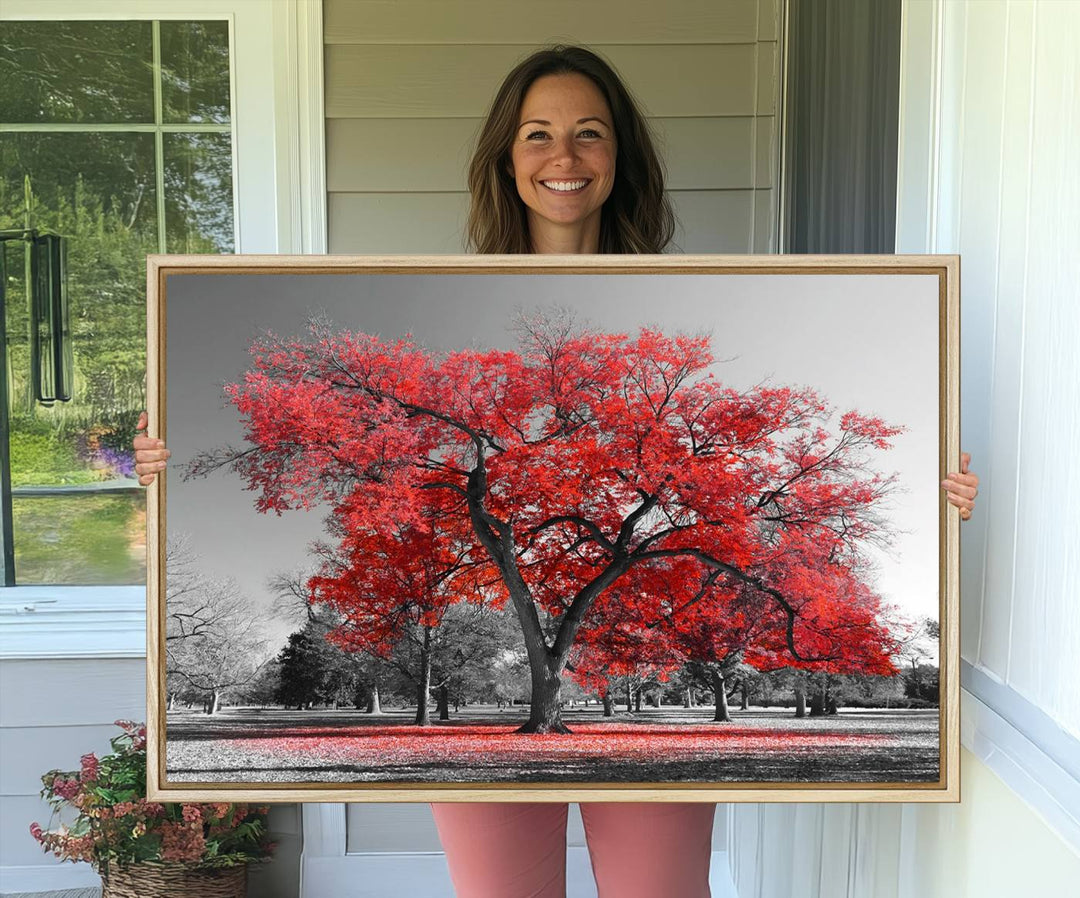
(53, 711)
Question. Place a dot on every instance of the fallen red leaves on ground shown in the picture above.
(376, 746)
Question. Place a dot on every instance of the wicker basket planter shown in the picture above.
(148, 880)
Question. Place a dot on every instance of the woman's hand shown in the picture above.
(150, 454)
(962, 488)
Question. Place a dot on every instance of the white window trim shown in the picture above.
(279, 197)
(1030, 753)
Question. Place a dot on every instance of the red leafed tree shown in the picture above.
(840, 625)
(392, 583)
(569, 464)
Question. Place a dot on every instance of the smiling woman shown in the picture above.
(563, 162)
(560, 117)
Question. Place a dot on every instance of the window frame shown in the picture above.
(276, 92)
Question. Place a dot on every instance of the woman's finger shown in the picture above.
(954, 486)
(960, 501)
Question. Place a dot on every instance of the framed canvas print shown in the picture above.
(505, 528)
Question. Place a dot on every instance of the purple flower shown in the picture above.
(119, 462)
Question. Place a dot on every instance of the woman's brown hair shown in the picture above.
(637, 216)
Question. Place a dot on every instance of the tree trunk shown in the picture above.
(637, 701)
(817, 701)
(444, 702)
(629, 698)
(745, 695)
(800, 700)
(423, 687)
(214, 704)
(609, 705)
(722, 715)
(545, 714)
(916, 681)
(172, 701)
(374, 704)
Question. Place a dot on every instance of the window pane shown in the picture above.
(81, 539)
(79, 516)
(76, 72)
(195, 71)
(98, 191)
(198, 193)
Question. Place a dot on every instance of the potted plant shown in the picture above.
(142, 848)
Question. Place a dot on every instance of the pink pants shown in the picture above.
(518, 850)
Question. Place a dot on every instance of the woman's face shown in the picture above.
(563, 154)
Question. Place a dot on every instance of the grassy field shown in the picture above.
(479, 745)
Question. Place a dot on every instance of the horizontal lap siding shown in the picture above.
(409, 81)
(528, 23)
(432, 222)
(53, 712)
(460, 80)
(393, 155)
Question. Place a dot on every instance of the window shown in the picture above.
(118, 136)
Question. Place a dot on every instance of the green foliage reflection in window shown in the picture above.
(123, 131)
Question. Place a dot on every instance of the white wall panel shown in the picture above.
(1045, 634)
(1004, 192)
(388, 827)
(976, 235)
(815, 850)
(1013, 225)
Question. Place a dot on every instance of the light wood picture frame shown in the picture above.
(606, 494)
